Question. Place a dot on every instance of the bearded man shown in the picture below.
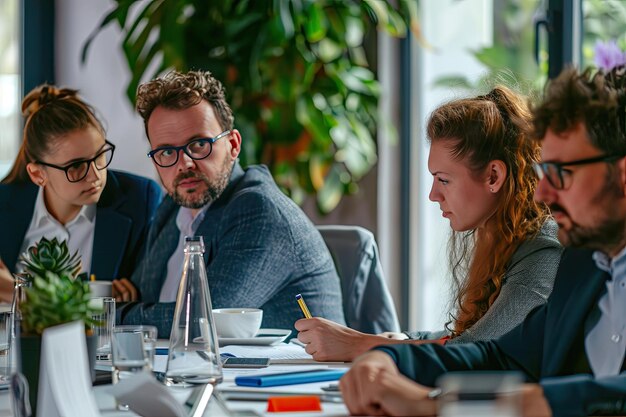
(570, 350)
(261, 249)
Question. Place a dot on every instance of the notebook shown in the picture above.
(289, 378)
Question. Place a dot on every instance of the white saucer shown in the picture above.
(264, 337)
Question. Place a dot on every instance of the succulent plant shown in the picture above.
(51, 256)
(56, 296)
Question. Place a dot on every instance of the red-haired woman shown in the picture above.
(503, 250)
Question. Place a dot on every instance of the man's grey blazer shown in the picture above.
(261, 250)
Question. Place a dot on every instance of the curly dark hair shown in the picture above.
(598, 100)
(178, 91)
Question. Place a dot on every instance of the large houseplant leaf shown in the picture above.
(270, 54)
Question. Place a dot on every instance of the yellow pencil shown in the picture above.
(303, 307)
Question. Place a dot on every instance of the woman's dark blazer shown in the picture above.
(123, 216)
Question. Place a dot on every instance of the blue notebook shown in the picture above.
(290, 378)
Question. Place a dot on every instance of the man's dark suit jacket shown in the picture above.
(260, 251)
(548, 347)
(123, 215)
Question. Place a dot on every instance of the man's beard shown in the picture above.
(214, 189)
(607, 233)
(604, 236)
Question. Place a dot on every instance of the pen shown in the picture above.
(263, 396)
(331, 388)
(303, 307)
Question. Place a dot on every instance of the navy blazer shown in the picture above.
(123, 215)
(548, 347)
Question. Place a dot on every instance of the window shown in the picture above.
(9, 84)
(602, 21)
(474, 44)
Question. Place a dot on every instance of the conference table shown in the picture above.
(222, 405)
(107, 406)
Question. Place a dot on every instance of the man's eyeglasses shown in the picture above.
(561, 178)
(77, 171)
(167, 156)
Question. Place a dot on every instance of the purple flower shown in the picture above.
(608, 55)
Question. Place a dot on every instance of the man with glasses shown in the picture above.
(261, 249)
(570, 350)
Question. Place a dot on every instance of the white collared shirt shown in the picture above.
(187, 225)
(605, 342)
(78, 232)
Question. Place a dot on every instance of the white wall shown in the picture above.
(102, 79)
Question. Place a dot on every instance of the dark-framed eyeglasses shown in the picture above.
(167, 156)
(78, 170)
(561, 178)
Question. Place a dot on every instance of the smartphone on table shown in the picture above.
(246, 363)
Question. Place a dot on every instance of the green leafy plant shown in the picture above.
(296, 71)
(56, 295)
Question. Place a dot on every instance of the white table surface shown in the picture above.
(106, 402)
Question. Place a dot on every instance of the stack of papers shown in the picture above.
(232, 391)
(283, 353)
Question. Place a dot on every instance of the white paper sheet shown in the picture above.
(147, 397)
(64, 380)
(279, 354)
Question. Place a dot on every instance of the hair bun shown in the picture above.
(43, 95)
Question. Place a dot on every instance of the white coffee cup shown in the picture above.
(237, 322)
(101, 288)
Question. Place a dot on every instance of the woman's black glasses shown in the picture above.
(77, 171)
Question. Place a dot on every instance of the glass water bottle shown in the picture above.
(21, 282)
(193, 356)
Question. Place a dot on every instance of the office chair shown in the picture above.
(367, 304)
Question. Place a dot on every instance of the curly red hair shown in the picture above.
(483, 129)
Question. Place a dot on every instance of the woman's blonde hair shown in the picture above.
(495, 126)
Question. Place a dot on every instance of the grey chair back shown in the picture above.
(367, 304)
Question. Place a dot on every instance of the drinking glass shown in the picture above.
(132, 349)
(149, 335)
(20, 283)
(480, 393)
(6, 321)
(103, 331)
